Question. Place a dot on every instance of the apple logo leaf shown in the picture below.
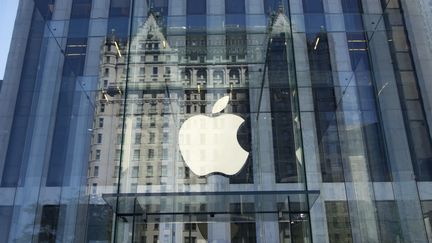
(220, 104)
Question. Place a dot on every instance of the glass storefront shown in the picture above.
(160, 87)
(216, 121)
(212, 216)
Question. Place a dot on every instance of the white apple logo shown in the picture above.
(209, 144)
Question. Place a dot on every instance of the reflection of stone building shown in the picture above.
(347, 119)
(148, 128)
(143, 134)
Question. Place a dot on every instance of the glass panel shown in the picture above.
(388, 217)
(338, 222)
(413, 110)
(169, 83)
(49, 223)
(427, 216)
(6, 213)
(294, 228)
(193, 121)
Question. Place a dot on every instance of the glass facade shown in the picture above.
(217, 121)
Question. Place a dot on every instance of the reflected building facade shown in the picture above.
(334, 96)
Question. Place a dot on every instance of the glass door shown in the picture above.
(231, 218)
(235, 228)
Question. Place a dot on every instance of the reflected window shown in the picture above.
(152, 137)
(135, 172)
(165, 154)
(116, 171)
(99, 138)
(150, 154)
(136, 154)
(138, 122)
(117, 154)
(234, 74)
(153, 108)
(152, 121)
(149, 171)
(164, 171)
(94, 188)
(202, 75)
(186, 172)
(137, 138)
(134, 187)
(98, 154)
(96, 171)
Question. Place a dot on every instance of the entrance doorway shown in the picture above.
(235, 228)
(241, 217)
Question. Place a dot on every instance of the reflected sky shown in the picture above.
(7, 19)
